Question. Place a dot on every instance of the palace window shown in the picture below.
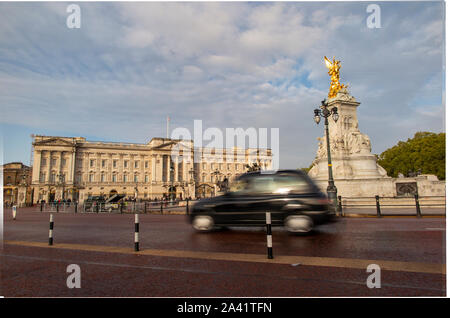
(125, 164)
(53, 162)
(146, 178)
(91, 163)
(125, 178)
(136, 164)
(103, 163)
(114, 163)
(52, 177)
(136, 178)
(42, 177)
(91, 177)
(114, 178)
(102, 177)
(146, 164)
(44, 161)
(63, 162)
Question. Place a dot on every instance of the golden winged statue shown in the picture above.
(333, 71)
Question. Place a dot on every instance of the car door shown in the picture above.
(247, 203)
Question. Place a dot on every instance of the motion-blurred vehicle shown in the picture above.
(93, 201)
(293, 199)
(113, 202)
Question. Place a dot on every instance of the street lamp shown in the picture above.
(325, 113)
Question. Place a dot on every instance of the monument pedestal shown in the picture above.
(356, 172)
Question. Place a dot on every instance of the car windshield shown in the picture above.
(270, 184)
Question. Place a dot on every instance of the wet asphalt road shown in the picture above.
(41, 271)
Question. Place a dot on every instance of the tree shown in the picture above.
(425, 153)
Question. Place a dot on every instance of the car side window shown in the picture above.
(290, 183)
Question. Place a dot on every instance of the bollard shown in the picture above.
(136, 232)
(50, 232)
(134, 206)
(377, 198)
(145, 207)
(14, 212)
(57, 207)
(96, 208)
(161, 207)
(187, 206)
(42, 204)
(418, 212)
(340, 205)
(269, 235)
(76, 207)
(121, 207)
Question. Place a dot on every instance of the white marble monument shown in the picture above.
(355, 169)
(350, 149)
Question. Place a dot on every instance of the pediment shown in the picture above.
(169, 145)
(53, 142)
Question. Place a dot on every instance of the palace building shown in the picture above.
(74, 168)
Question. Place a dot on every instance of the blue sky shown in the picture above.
(230, 64)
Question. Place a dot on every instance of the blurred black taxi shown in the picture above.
(293, 199)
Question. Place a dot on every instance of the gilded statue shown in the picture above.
(333, 71)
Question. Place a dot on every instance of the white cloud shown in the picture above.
(230, 64)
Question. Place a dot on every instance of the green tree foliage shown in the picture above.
(424, 152)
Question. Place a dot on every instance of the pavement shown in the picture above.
(175, 261)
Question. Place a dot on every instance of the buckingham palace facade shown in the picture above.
(74, 168)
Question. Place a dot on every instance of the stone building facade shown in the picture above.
(75, 168)
(16, 184)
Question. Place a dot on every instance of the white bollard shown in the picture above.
(269, 235)
(136, 232)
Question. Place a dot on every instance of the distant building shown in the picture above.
(16, 184)
(74, 168)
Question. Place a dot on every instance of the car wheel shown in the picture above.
(299, 224)
(203, 223)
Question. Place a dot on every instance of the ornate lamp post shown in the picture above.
(191, 181)
(325, 113)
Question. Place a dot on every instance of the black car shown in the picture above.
(293, 199)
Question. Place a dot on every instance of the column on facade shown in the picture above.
(153, 167)
(36, 166)
(175, 172)
(168, 168)
(71, 167)
(161, 161)
(49, 166)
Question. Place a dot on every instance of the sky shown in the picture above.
(229, 64)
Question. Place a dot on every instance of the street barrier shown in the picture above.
(395, 204)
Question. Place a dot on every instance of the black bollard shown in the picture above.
(418, 212)
(187, 206)
(161, 207)
(377, 198)
(340, 205)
